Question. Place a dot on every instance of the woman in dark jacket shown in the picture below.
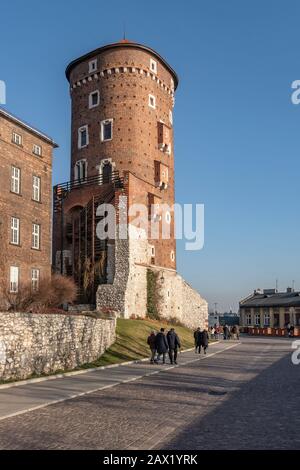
(161, 345)
(204, 340)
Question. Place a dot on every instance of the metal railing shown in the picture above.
(61, 191)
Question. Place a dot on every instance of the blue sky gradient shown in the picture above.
(237, 131)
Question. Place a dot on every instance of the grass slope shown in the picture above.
(131, 343)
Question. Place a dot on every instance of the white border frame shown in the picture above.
(106, 121)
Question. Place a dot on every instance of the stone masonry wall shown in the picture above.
(128, 293)
(181, 301)
(43, 344)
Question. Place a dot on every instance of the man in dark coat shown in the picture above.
(225, 331)
(161, 345)
(151, 341)
(174, 344)
(204, 340)
(197, 333)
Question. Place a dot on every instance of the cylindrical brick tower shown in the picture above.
(122, 120)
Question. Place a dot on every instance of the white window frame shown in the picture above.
(15, 180)
(267, 317)
(152, 249)
(152, 97)
(171, 117)
(16, 138)
(36, 188)
(153, 66)
(14, 273)
(93, 65)
(91, 105)
(256, 315)
(35, 279)
(36, 236)
(80, 132)
(15, 231)
(103, 124)
(79, 174)
(37, 150)
(172, 256)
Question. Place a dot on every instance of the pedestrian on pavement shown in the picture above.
(174, 345)
(204, 340)
(225, 332)
(212, 332)
(237, 332)
(198, 341)
(196, 334)
(151, 342)
(233, 332)
(161, 345)
(217, 332)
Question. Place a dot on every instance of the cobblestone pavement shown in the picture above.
(245, 397)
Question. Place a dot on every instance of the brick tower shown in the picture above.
(122, 144)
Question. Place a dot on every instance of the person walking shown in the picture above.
(204, 340)
(233, 332)
(161, 345)
(198, 341)
(174, 344)
(225, 332)
(196, 334)
(151, 342)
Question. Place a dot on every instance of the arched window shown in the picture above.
(107, 172)
(80, 171)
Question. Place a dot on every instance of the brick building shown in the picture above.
(25, 203)
(122, 144)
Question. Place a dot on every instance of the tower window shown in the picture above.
(168, 217)
(153, 66)
(94, 99)
(81, 170)
(152, 101)
(93, 66)
(172, 256)
(83, 137)
(106, 130)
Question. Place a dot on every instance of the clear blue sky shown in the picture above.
(237, 132)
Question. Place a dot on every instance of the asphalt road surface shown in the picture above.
(242, 395)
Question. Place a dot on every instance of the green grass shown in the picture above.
(131, 343)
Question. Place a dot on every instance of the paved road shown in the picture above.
(240, 396)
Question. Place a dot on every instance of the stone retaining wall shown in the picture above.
(43, 344)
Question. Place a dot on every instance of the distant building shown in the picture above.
(227, 318)
(25, 203)
(270, 308)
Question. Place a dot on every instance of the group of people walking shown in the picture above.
(226, 331)
(162, 344)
